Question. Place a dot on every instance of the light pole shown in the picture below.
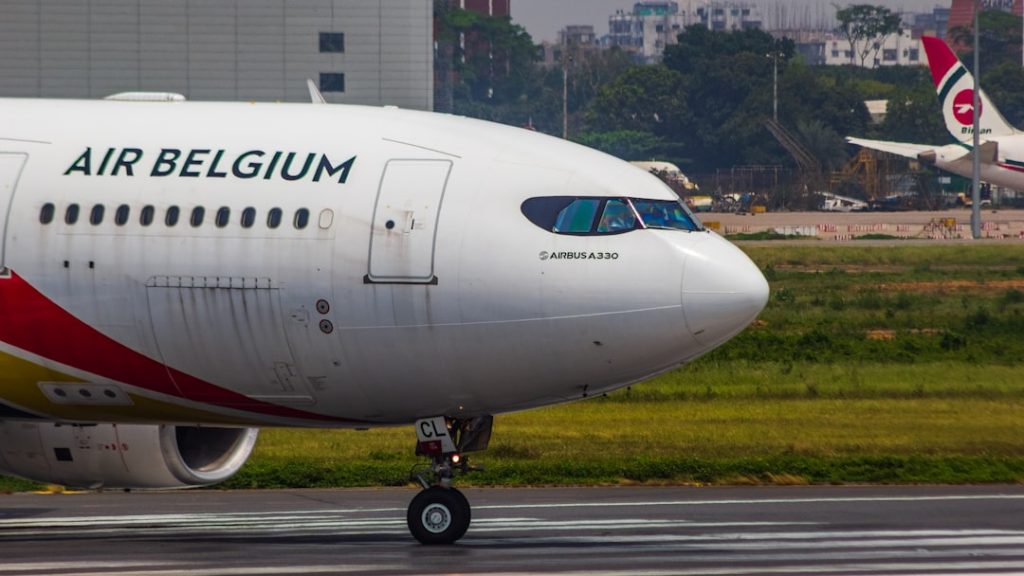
(565, 92)
(976, 141)
(775, 87)
(774, 55)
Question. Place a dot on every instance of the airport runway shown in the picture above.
(615, 531)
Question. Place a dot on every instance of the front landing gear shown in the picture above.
(441, 514)
(438, 515)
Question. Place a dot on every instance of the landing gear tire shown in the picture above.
(438, 516)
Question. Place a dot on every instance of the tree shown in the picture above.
(645, 99)
(625, 144)
(698, 48)
(1004, 84)
(914, 115)
(866, 27)
(999, 40)
(481, 58)
(823, 143)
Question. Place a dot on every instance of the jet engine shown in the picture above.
(122, 455)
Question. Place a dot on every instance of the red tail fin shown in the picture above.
(940, 57)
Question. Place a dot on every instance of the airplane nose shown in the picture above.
(723, 291)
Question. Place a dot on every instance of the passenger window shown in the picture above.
(274, 218)
(171, 218)
(71, 215)
(46, 214)
(146, 216)
(121, 216)
(96, 215)
(248, 217)
(223, 215)
(578, 217)
(617, 216)
(301, 218)
(198, 213)
(326, 218)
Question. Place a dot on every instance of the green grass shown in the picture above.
(896, 364)
(9, 484)
(921, 257)
(877, 237)
(766, 235)
(721, 440)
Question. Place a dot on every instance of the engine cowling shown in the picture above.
(123, 455)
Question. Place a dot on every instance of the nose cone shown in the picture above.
(723, 291)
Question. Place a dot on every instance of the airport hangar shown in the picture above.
(371, 52)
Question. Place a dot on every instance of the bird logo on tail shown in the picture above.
(963, 107)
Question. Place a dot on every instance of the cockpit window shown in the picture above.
(578, 216)
(618, 216)
(604, 216)
(665, 214)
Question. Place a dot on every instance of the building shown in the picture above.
(903, 49)
(934, 23)
(375, 52)
(730, 16)
(488, 7)
(826, 47)
(651, 26)
(576, 41)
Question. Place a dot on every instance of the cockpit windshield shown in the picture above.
(665, 214)
(596, 216)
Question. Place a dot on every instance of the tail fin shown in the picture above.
(955, 86)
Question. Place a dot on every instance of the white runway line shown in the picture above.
(541, 506)
(629, 546)
(754, 501)
(63, 566)
(190, 570)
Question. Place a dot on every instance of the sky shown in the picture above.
(544, 18)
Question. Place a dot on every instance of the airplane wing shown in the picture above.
(898, 148)
(933, 155)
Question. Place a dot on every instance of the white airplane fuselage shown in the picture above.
(1006, 169)
(403, 280)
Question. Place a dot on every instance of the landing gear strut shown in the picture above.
(441, 514)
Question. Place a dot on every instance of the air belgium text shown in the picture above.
(210, 163)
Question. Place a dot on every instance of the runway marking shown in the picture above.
(524, 537)
(84, 565)
(752, 501)
(170, 569)
(153, 525)
(818, 568)
(553, 506)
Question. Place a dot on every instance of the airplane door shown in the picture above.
(404, 230)
(10, 172)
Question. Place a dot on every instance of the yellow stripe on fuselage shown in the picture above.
(19, 387)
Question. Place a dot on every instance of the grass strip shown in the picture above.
(665, 470)
(727, 440)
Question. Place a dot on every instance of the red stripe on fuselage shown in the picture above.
(32, 322)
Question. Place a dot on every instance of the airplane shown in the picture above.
(1002, 145)
(175, 275)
